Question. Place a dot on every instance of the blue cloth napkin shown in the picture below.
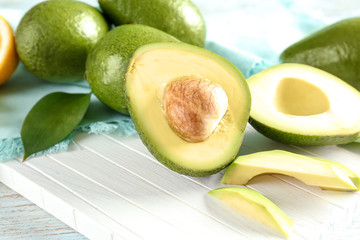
(250, 34)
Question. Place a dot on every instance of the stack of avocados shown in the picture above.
(191, 106)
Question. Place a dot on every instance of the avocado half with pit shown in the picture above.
(189, 106)
(302, 105)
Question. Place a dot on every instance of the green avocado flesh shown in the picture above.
(54, 38)
(335, 49)
(310, 170)
(179, 18)
(155, 67)
(107, 62)
(302, 105)
(255, 205)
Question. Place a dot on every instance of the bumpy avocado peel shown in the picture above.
(107, 63)
(335, 49)
(54, 38)
(180, 18)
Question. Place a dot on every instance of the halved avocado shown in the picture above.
(189, 106)
(302, 105)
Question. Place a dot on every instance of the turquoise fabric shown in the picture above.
(250, 34)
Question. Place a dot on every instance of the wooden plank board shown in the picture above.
(22, 220)
(111, 187)
(339, 199)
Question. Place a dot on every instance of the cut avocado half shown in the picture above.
(302, 105)
(255, 205)
(189, 106)
(310, 170)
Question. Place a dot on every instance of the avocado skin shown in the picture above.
(335, 49)
(107, 62)
(300, 140)
(180, 18)
(54, 38)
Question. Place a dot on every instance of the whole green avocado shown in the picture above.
(54, 38)
(180, 18)
(335, 49)
(107, 63)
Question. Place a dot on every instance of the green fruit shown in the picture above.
(310, 170)
(180, 18)
(255, 205)
(189, 106)
(54, 38)
(335, 49)
(107, 63)
(302, 105)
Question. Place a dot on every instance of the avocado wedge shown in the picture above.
(310, 170)
(302, 105)
(255, 205)
(189, 106)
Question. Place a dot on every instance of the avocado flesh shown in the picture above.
(302, 105)
(335, 49)
(179, 18)
(256, 206)
(151, 68)
(107, 63)
(312, 171)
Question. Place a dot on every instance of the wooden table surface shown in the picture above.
(21, 219)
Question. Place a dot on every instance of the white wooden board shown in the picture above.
(110, 187)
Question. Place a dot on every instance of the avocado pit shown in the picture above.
(194, 106)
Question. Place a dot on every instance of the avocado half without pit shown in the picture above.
(302, 105)
(189, 106)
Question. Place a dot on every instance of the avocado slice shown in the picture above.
(255, 205)
(335, 49)
(302, 105)
(179, 18)
(189, 106)
(310, 170)
(107, 62)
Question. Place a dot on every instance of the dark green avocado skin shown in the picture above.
(335, 49)
(179, 18)
(301, 140)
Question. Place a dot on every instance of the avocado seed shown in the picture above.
(194, 107)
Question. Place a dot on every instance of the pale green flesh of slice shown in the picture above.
(312, 171)
(256, 206)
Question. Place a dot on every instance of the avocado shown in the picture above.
(255, 205)
(107, 62)
(189, 106)
(54, 38)
(180, 18)
(310, 170)
(302, 105)
(335, 49)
